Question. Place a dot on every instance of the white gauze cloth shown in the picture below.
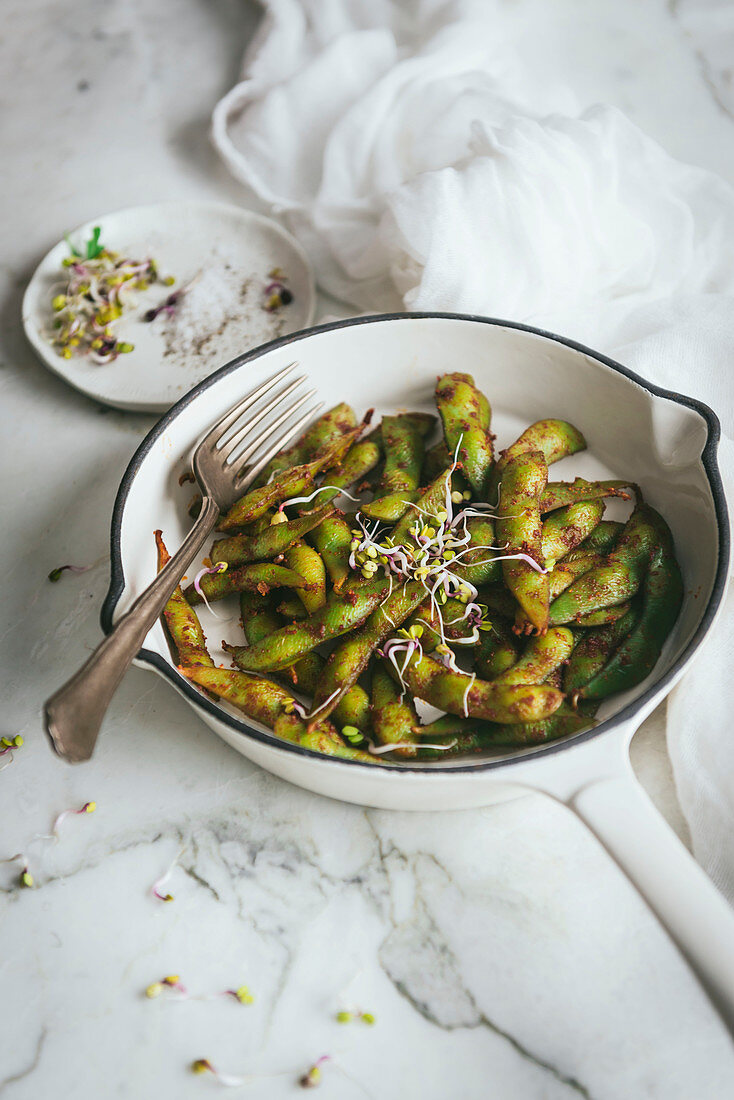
(423, 165)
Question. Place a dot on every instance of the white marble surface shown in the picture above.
(501, 951)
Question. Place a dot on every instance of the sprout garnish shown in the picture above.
(438, 542)
(220, 567)
(97, 291)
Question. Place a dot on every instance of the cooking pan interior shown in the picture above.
(391, 364)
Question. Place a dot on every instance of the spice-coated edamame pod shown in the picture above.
(542, 655)
(318, 436)
(259, 577)
(566, 528)
(603, 587)
(255, 696)
(458, 693)
(403, 445)
(306, 561)
(362, 457)
(566, 572)
(437, 458)
(350, 658)
(594, 649)
(497, 649)
(603, 616)
(182, 622)
(332, 538)
(638, 653)
(321, 738)
(466, 417)
(430, 504)
(617, 580)
(393, 718)
(456, 626)
(559, 494)
(273, 540)
(602, 539)
(473, 736)
(258, 617)
(339, 614)
(392, 507)
(292, 482)
(353, 708)
(519, 527)
(423, 423)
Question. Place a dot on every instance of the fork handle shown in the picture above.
(74, 714)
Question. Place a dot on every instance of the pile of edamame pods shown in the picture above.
(460, 577)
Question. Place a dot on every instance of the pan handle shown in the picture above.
(597, 783)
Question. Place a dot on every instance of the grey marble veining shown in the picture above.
(502, 953)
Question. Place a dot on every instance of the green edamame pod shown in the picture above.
(358, 462)
(458, 693)
(473, 736)
(430, 506)
(306, 561)
(332, 538)
(260, 577)
(617, 580)
(466, 417)
(638, 653)
(319, 435)
(403, 444)
(566, 528)
(393, 718)
(599, 588)
(392, 507)
(258, 617)
(321, 738)
(601, 540)
(497, 649)
(543, 654)
(603, 616)
(269, 543)
(350, 658)
(423, 423)
(436, 459)
(291, 608)
(573, 566)
(182, 622)
(257, 697)
(519, 526)
(339, 614)
(559, 494)
(292, 482)
(594, 649)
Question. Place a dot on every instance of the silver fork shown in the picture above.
(74, 713)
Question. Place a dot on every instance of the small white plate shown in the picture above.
(233, 249)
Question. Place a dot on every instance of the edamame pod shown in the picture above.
(332, 538)
(339, 614)
(394, 719)
(519, 526)
(307, 563)
(182, 622)
(497, 649)
(459, 693)
(466, 417)
(260, 577)
(391, 508)
(317, 437)
(403, 445)
(566, 528)
(273, 540)
(543, 654)
(638, 653)
(594, 649)
(350, 658)
(559, 494)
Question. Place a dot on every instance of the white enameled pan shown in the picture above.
(634, 430)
